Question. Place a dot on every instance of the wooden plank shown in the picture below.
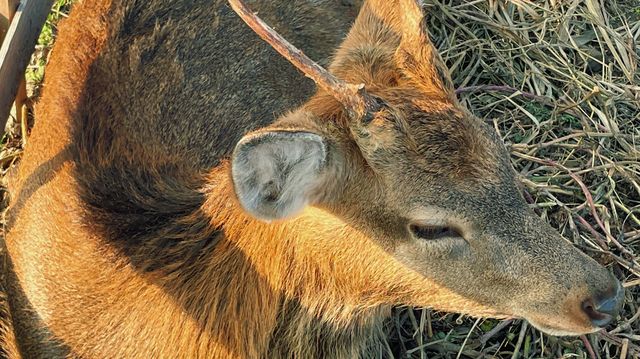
(7, 10)
(17, 48)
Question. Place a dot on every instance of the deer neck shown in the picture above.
(259, 293)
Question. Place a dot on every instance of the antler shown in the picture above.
(353, 97)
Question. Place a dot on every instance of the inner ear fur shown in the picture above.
(276, 173)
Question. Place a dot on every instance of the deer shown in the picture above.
(196, 186)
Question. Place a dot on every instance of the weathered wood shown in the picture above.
(7, 10)
(17, 48)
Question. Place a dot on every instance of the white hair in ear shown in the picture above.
(275, 173)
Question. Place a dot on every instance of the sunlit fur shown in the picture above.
(125, 238)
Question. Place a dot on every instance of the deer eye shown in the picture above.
(429, 233)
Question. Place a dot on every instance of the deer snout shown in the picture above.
(603, 308)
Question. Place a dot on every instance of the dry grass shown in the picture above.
(559, 81)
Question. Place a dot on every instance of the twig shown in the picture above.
(594, 233)
(429, 325)
(618, 341)
(475, 324)
(625, 348)
(588, 346)
(627, 324)
(631, 283)
(23, 124)
(516, 350)
(504, 88)
(503, 324)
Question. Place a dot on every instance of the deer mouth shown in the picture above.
(571, 329)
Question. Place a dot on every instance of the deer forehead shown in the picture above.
(441, 143)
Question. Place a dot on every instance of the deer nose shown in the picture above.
(603, 309)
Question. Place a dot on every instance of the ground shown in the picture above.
(558, 80)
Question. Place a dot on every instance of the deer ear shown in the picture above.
(275, 173)
(417, 55)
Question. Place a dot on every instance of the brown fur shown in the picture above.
(126, 239)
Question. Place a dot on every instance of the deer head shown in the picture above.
(385, 147)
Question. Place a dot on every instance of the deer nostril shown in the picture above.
(598, 318)
(604, 310)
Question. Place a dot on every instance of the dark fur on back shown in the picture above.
(141, 179)
(178, 61)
